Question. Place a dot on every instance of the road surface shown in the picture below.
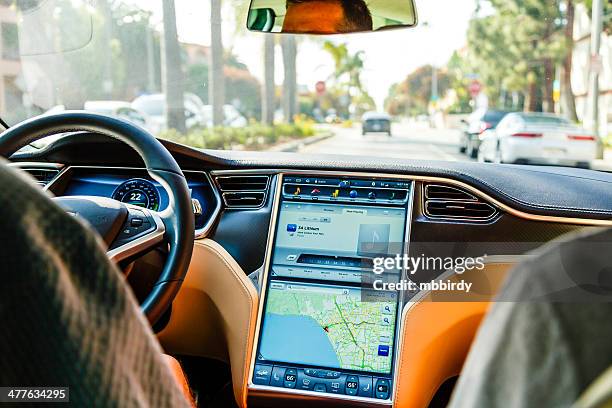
(409, 141)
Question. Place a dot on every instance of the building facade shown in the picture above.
(581, 70)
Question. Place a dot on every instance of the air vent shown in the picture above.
(243, 191)
(43, 176)
(438, 192)
(243, 183)
(445, 202)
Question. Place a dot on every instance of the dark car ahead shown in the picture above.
(477, 123)
(376, 122)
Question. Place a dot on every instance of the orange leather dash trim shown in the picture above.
(180, 377)
(437, 333)
(436, 340)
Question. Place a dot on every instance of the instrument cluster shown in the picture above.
(138, 192)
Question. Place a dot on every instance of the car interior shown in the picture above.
(256, 271)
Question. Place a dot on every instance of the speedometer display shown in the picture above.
(138, 192)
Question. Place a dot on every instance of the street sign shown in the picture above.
(596, 65)
(474, 88)
(320, 87)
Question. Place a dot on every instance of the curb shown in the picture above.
(295, 145)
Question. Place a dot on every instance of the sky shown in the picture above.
(388, 56)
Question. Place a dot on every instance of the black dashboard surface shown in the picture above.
(554, 191)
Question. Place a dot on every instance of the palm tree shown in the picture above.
(268, 99)
(338, 53)
(216, 90)
(289, 46)
(172, 75)
(347, 71)
(347, 64)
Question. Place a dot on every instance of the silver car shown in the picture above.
(539, 138)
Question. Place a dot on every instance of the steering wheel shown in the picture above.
(128, 230)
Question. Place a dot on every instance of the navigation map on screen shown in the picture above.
(328, 326)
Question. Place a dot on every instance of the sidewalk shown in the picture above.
(295, 145)
(605, 164)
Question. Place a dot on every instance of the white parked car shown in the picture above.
(154, 106)
(231, 116)
(539, 138)
(123, 110)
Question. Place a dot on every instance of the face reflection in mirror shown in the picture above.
(327, 16)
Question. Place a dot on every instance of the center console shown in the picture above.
(321, 331)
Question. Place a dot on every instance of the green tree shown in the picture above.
(241, 88)
(517, 48)
(458, 69)
(243, 91)
(347, 75)
(413, 95)
(347, 66)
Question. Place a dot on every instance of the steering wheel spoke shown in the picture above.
(142, 230)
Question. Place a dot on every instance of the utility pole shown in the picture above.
(595, 65)
(433, 100)
(268, 92)
(434, 84)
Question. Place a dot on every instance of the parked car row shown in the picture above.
(148, 111)
(123, 110)
(528, 138)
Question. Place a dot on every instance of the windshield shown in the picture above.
(196, 75)
(493, 117)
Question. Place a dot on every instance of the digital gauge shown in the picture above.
(138, 192)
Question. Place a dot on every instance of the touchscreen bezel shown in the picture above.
(264, 279)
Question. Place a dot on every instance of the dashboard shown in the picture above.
(305, 230)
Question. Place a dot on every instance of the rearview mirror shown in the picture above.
(329, 16)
